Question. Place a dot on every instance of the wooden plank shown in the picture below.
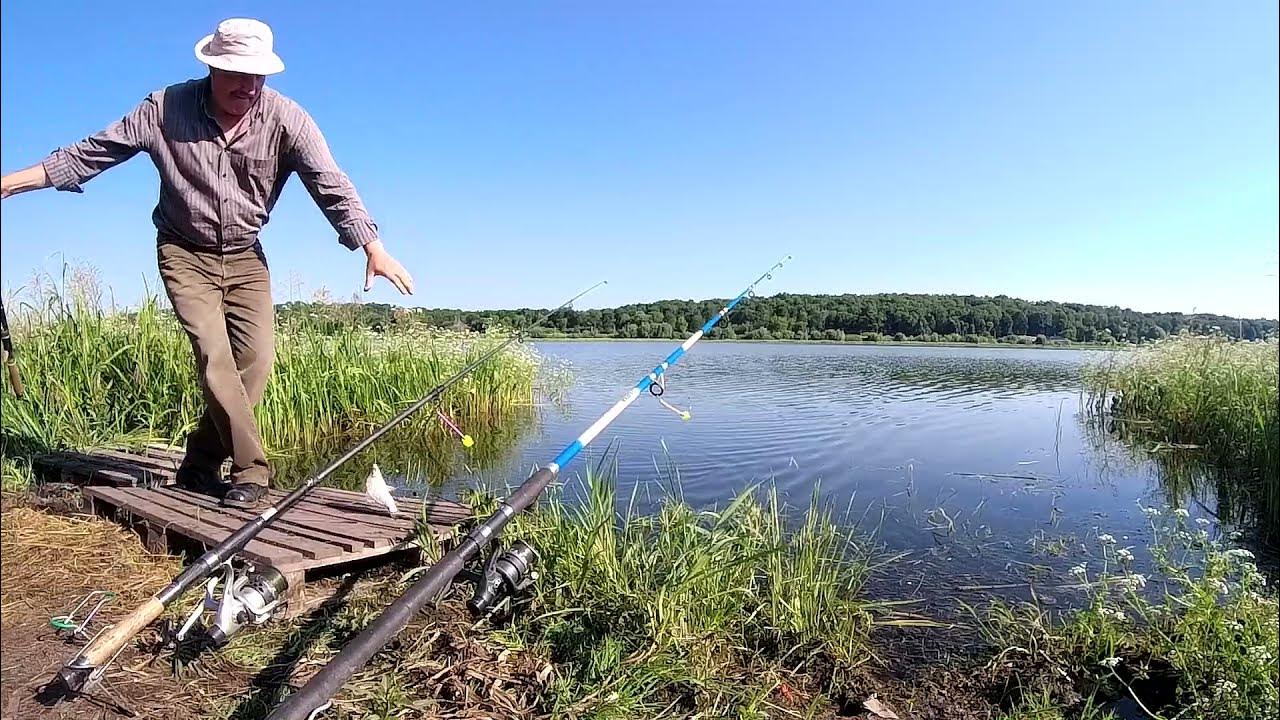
(359, 502)
(163, 464)
(438, 511)
(190, 527)
(120, 477)
(376, 525)
(306, 547)
(381, 522)
(91, 469)
(350, 536)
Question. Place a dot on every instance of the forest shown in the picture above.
(928, 318)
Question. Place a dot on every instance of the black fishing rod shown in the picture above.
(87, 666)
(316, 694)
(10, 357)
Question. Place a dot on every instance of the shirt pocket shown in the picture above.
(255, 177)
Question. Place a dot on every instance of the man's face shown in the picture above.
(234, 93)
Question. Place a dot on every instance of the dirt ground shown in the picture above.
(48, 562)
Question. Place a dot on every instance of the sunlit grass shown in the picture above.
(95, 375)
(1196, 638)
(1206, 391)
(710, 611)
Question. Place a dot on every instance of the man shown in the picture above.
(224, 146)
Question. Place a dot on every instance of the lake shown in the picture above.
(976, 460)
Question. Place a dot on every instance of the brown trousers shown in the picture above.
(223, 301)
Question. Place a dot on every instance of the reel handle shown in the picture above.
(98, 653)
(15, 379)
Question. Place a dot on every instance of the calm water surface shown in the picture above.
(971, 459)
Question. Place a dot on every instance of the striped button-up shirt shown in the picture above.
(218, 191)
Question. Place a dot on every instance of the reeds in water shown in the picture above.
(1217, 394)
(711, 611)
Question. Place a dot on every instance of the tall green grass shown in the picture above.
(1210, 392)
(96, 375)
(712, 612)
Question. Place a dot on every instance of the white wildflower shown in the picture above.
(1110, 662)
(1240, 554)
(1080, 570)
(1125, 555)
(1221, 586)
(1117, 615)
(1204, 522)
(1106, 540)
(1182, 513)
(1135, 581)
(1151, 512)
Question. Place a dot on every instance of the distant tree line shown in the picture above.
(933, 318)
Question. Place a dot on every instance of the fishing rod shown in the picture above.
(249, 598)
(316, 695)
(10, 358)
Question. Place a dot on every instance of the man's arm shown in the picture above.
(336, 196)
(32, 178)
(70, 167)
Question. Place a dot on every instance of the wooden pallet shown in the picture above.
(154, 466)
(327, 531)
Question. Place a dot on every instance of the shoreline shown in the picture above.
(902, 343)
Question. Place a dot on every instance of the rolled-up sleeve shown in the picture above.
(70, 167)
(329, 186)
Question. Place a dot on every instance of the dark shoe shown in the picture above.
(245, 495)
(200, 480)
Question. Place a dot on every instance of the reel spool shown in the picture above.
(507, 573)
(249, 597)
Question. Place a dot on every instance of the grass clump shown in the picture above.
(96, 375)
(1195, 639)
(1208, 391)
(1043, 706)
(719, 613)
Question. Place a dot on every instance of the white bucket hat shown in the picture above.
(240, 45)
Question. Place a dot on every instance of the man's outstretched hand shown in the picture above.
(381, 263)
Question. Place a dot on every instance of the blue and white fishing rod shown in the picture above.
(316, 695)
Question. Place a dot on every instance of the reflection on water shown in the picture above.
(976, 461)
(1190, 479)
(421, 454)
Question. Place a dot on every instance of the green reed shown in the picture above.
(1210, 392)
(709, 610)
(97, 375)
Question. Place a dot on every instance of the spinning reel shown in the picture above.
(506, 573)
(249, 597)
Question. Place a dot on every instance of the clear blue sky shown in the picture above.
(1115, 153)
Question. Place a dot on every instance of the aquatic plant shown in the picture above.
(1196, 638)
(1218, 395)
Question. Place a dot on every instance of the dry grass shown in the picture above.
(49, 562)
(50, 558)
